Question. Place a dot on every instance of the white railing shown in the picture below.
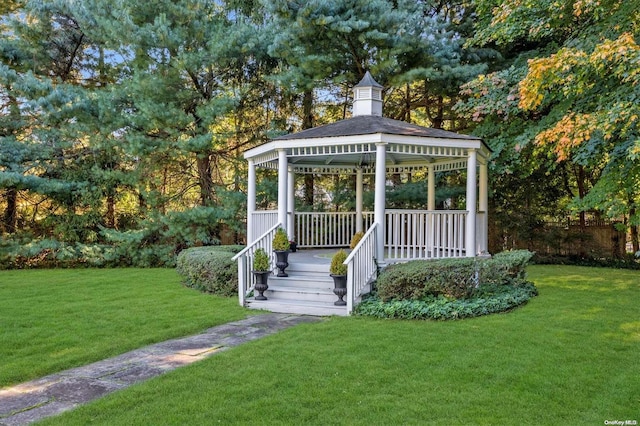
(263, 220)
(246, 280)
(361, 266)
(327, 229)
(424, 234)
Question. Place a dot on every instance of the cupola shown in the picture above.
(367, 97)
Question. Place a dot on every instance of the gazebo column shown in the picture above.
(431, 206)
(470, 238)
(283, 174)
(291, 204)
(359, 191)
(483, 206)
(431, 187)
(251, 200)
(380, 199)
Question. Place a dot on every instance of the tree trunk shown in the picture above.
(205, 180)
(111, 211)
(307, 123)
(583, 222)
(407, 104)
(580, 179)
(635, 243)
(439, 117)
(10, 214)
(635, 240)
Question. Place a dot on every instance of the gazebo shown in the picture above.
(366, 144)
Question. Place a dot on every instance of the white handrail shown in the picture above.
(246, 281)
(361, 266)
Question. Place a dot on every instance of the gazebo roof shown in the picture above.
(371, 124)
(351, 143)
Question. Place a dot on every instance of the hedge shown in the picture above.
(455, 278)
(210, 269)
(503, 298)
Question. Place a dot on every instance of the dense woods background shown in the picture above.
(122, 124)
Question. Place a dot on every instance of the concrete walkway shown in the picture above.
(32, 401)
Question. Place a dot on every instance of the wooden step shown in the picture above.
(307, 268)
(298, 307)
(311, 294)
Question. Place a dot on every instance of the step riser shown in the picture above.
(299, 309)
(291, 275)
(307, 284)
(319, 269)
(300, 296)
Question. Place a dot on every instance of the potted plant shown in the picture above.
(261, 272)
(338, 271)
(293, 246)
(280, 245)
(356, 239)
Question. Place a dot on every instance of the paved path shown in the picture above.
(31, 401)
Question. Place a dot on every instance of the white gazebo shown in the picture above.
(368, 144)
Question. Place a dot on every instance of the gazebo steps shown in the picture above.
(307, 290)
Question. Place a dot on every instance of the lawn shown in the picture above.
(570, 356)
(51, 320)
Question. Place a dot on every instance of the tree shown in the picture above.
(568, 93)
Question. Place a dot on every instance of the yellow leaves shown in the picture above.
(583, 7)
(568, 70)
(620, 57)
(571, 131)
(611, 50)
(545, 73)
(502, 12)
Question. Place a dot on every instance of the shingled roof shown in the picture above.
(369, 124)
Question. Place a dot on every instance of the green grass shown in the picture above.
(51, 320)
(570, 356)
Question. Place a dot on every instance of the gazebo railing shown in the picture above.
(409, 234)
(327, 229)
(361, 266)
(424, 234)
(263, 220)
(246, 280)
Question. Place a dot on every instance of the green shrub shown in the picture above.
(337, 263)
(49, 253)
(498, 299)
(512, 262)
(280, 240)
(356, 239)
(418, 279)
(453, 278)
(260, 260)
(630, 261)
(210, 269)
